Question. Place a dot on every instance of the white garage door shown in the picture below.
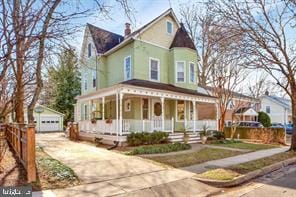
(50, 124)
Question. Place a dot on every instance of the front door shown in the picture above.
(156, 114)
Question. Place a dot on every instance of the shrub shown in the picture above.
(162, 148)
(144, 138)
(219, 135)
(264, 119)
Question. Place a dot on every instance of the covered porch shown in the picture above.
(126, 108)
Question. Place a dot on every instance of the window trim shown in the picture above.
(142, 108)
(89, 52)
(158, 69)
(168, 21)
(176, 111)
(176, 71)
(194, 77)
(268, 106)
(94, 77)
(85, 82)
(124, 70)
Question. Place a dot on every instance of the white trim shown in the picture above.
(158, 69)
(166, 27)
(176, 111)
(176, 71)
(124, 65)
(194, 77)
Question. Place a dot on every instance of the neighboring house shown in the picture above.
(278, 109)
(142, 81)
(239, 108)
(46, 119)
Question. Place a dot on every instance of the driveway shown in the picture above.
(107, 173)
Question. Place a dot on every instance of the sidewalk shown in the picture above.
(199, 168)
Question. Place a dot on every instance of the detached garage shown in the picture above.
(46, 119)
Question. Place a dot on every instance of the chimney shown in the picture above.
(266, 93)
(127, 30)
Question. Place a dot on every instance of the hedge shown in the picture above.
(159, 148)
(144, 138)
(266, 135)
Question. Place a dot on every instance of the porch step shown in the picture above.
(179, 137)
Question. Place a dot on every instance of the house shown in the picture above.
(46, 119)
(278, 109)
(240, 107)
(142, 81)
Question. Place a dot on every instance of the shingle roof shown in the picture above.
(182, 39)
(163, 86)
(282, 101)
(242, 110)
(104, 40)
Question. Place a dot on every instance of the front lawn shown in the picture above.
(243, 145)
(250, 166)
(160, 148)
(201, 156)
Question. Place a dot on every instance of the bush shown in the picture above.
(219, 135)
(264, 119)
(144, 138)
(162, 148)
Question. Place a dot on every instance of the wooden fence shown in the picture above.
(22, 139)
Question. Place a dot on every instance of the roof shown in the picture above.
(242, 110)
(182, 39)
(235, 94)
(104, 40)
(163, 86)
(246, 111)
(286, 103)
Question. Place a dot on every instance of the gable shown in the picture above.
(157, 32)
(86, 40)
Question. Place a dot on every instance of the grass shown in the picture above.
(243, 145)
(187, 159)
(250, 166)
(161, 148)
(219, 174)
(52, 173)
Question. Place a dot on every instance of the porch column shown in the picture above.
(120, 112)
(194, 115)
(217, 116)
(89, 109)
(162, 113)
(103, 108)
(117, 127)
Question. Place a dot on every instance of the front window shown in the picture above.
(127, 68)
(154, 69)
(85, 112)
(89, 50)
(94, 79)
(230, 104)
(180, 110)
(145, 108)
(192, 77)
(268, 109)
(85, 82)
(169, 27)
(180, 71)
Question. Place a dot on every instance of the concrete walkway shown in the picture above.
(106, 173)
(199, 168)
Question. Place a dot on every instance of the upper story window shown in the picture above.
(94, 78)
(154, 69)
(192, 74)
(127, 68)
(230, 104)
(180, 71)
(85, 82)
(268, 109)
(169, 27)
(89, 50)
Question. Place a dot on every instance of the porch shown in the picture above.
(125, 108)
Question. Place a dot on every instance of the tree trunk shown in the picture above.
(293, 100)
(221, 121)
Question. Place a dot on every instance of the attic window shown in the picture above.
(169, 27)
(89, 50)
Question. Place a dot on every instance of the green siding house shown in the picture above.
(143, 81)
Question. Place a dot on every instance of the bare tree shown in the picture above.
(269, 43)
(31, 30)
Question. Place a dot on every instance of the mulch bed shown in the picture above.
(12, 172)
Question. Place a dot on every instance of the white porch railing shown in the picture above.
(99, 127)
(199, 124)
